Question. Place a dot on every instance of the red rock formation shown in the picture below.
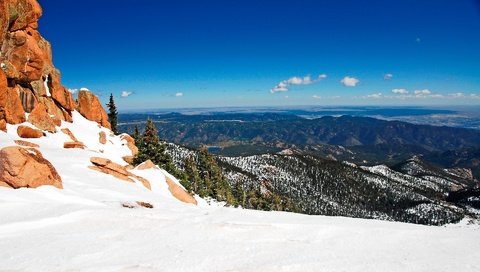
(21, 167)
(27, 74)
(28, 132)
(130, 143)
(108, 167)
(179, 193)
(11, 109)
(41, 119)
(28, 99)
(90, 107)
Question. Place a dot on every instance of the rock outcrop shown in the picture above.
(41, 119)
(21, 167)
(27, 75)
(108, 167)
(179, 193)
(90, 107)
(130, 143)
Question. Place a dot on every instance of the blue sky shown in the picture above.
(175, 54)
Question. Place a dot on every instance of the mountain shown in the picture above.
(362, 138)
(70, 201)
(411, 192)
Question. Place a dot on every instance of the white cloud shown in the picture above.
(423, 92)
(179, 94)
(322, 76)
(350, 81)
(475, 96)
(376, 95)
(316, 96)
(400, 91)
(126, 94)
(457, 95)
(294, 81)
(387, 76)
(283, 86)
(73, 90)
(84, 89)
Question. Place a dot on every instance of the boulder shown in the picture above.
(21, 167)
(108, 167)
(179, 193)
(11, 108)
(130, 143)
(89, 106)
(41, 119)
(106, 163)
(99, 161)
(111, 172)
(25, 143)
(102, 137)
(28, 132)
(69, 145)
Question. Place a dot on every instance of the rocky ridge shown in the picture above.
(29, 82)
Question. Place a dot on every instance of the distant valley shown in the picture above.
(344, 165)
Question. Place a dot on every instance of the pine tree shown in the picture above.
(214, 183)
(112, 114)
(151, 148)
(136, 136)
(192, 174)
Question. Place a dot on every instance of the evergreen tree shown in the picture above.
(214, 183)
(151, 148)
(112, 114)
(136, 136)
(192, 174)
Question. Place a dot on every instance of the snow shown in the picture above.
(47, 89)
(85, 228)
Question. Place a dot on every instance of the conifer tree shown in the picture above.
(112, 114)
(151, 148)
(136, 136)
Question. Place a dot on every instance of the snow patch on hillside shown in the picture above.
(84, 227)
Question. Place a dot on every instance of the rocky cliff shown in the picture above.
(29, 82)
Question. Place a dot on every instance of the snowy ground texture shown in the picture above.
(84, 227)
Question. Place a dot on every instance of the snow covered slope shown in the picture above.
(88, 226)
